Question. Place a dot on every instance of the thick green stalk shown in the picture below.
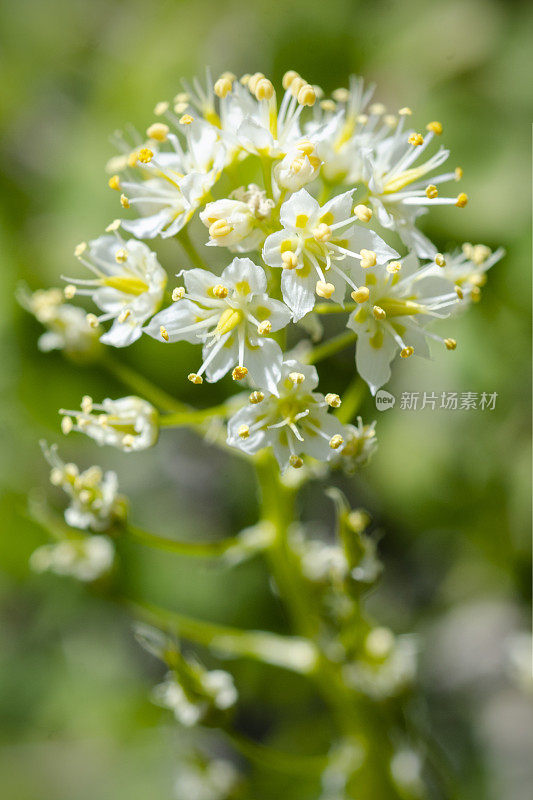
(331, 347)
(141, 385)
(185, 240)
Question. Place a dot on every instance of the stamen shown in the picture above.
(416, 139)
(161, 108)
(407, 351)
(256, 397)
(288, 78)
(440, 261)
(379, 313)
(264, 327)
(333, 400)
(434, 127)
(193, 377)
(290, 260)
(324, 290)
(114, 183)
(451, 344)
(178, 293)
(243, 431)
(368, 258)
(296, 462)
(223, 87)
(164, 333)
(219, 228)
(220, 291)
(158, 131)
(393, 267)
(432, 191)
(462, 200)
(363, 213)
(186, 119)
(69, 291)
(360, 295)
(239, 373)
(124, 201)
(296, 377)
(336, 441)
(306, 95)
(145, 155)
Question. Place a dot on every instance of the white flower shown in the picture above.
(128, 423)
(128, 285)
(360, 444)
(394, 305)
(400, 190)
(94, 499)
(293, 421)
(233, 224)
(173, 182)
(67, 325)
(86, 558)
(468, 267)
(212, 781)
(208, 689)
(232, 316)
(386, 666)
(313, 242)
(299, 167)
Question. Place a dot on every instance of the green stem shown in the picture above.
(193, 416)
(192, 549)
(192, 253)
(334, 308)
(266, 166)
(351, 400)
(267, 757)
(141, 385)
(288, 652)
(331, 347)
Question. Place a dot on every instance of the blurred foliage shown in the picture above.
(449, 489)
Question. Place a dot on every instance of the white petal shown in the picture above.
(373, 364)
(121, 334)
(173, 319)
(272, 247)
(198, 281)
(299, 203)
(298, 292)
(340, 206)
(244, 270)
(264, 364)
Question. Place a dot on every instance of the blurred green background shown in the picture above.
(449, 489)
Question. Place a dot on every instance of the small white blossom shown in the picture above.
(468, 268)
(401, 190)
(299, 167)
(214, 689)
(386, 666)
(212, 781)
(360, 444)
(128, 285)
(94, 499)
(293, 421)
(232, 224)
(128, 423)
(232, 316)
(86, 558)
(313, 242)
(67, 325)
(174, 181)
(393, 307)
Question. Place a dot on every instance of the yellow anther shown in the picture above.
(480, 254)
(194, 378)
(307, 95)
(92, 320)
(341, 95)
(66, 425)
(390, 120)
(379, 313)
(458, 173)
(468, 250)
(264, 327)
(160, 108)
(405, 111)
(186, 119)
(434, 127)
(113, 226)
(124, 201)
(80, 249)
(462, 200)
(132, 158)
(377, 108)
(458, 291)
(121, 255)
(290, 261)
(362, 119)
(86, 404)
(128, 440)
(328, 105)
(363, 213)
(182, 97)
(228, 320)
(164, 333)
(220, 291)
(288, 78)
(219, 228)
(264, 90)
(393, 267)
(296, 378)
(368, 258)
(158, 131)
(333, 400)
(230, 76)
(223, 87)
(245, 79)
(124, 314)
(306, 147)
(336, 441)
(239, 373)
(178, 293)
(298, 163)
(431, 191)
(296, 85)
(360, 295)
(440, 261)
(243, 431)
(324, 290)
(256, 397)
(451, 344)
(296, 462)
(407, 351)
(322, 233)
(416, 139)
(114, 183)
(180, 108)
(69, 291)
(254, 80)
(145, 155)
